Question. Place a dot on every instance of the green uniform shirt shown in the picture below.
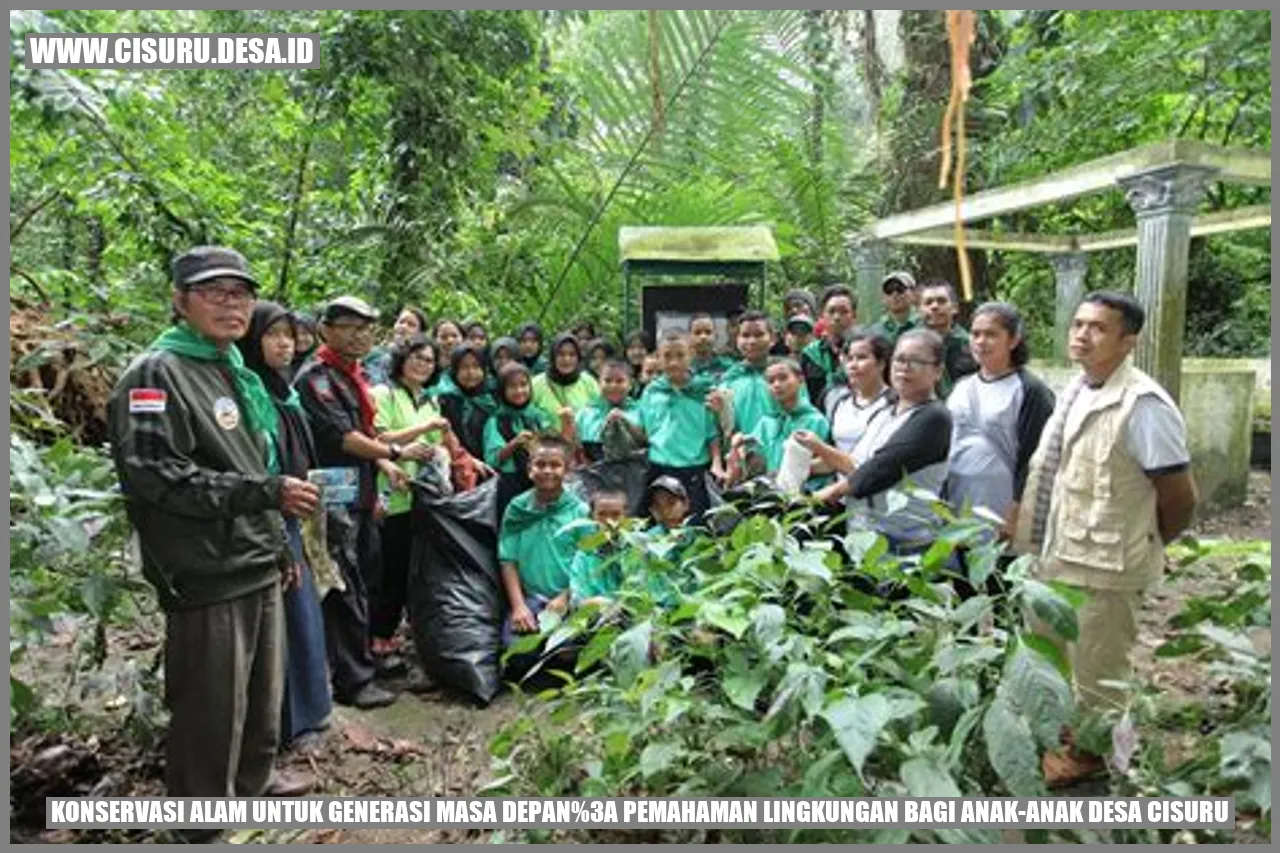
(443, 385)
(891, 328)
(774, 429)
(751, 397)
(594, 574)
(712, 367)
(551, 397)
(957, 361)
(533, 538)
(822, 368)
(590, 421)
(396, 410)
(528, 418)
(679, 424)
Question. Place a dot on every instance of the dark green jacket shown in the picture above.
(195, 482)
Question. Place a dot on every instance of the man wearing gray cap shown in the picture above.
(899, 289)
(189, 425)
(335, 396)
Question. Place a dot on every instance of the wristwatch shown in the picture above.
(396, 450)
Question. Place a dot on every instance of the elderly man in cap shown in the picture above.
(899, 289)
(336, 398)
(189, 425)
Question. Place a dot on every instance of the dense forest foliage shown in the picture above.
(480, 162)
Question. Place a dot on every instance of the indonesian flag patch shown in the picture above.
(147, 400)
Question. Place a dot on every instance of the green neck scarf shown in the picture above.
(253, 394)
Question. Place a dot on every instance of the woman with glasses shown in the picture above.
(410, 321)
(407, 417)
(908, 439)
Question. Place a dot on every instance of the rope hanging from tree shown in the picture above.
(960, 33)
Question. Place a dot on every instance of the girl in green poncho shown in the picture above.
(510, 433)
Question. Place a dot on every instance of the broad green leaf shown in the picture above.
(925, 777)
(629, 654)
(768, 621)
(895, 501)
(657, 757)
(743, 686)
(597, 648)
(1051, 608)
(857, 724)
(730, 620)
(1040, 693)
(1049, 650)
(1011, 749)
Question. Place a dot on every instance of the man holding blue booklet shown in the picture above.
(335, 396)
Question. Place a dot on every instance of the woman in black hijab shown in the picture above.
(469, 402)
(306, 337)
(530, 339)
(566, 388)
(268, 350)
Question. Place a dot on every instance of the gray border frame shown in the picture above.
(389, 6)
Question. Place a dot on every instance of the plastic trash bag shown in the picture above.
(455, 599)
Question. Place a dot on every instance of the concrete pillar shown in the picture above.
(1069, 270)
(1164, 200)
(869, 263)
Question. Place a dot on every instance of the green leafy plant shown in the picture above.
(789, 668)
(67, 531)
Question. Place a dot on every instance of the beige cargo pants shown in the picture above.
(1108, 630)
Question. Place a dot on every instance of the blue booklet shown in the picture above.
(338, 486)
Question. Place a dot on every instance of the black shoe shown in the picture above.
(389, 666)
(369, 696)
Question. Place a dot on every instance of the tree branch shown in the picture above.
(16, 228)
(156, 197)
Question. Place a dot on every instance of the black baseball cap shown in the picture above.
(670, 485)
(204, 263)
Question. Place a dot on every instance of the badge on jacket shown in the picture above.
(147, 400)
(226, 413)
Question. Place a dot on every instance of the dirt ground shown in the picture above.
(427, 744)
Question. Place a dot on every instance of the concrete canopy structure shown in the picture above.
(1164, 183)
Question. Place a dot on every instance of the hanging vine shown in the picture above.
(960, 34)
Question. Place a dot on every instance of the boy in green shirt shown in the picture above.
(823, 359)
(706, 361)
(534, 548)
(684, 437)
(609, 429)
(595, 575)
(748, 392)
(765, 447)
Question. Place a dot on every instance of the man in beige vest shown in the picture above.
(1110, 484)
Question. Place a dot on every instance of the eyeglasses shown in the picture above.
(912, 363)
(895, 289)
(224, 295)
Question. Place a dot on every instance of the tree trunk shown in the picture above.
(655, 78)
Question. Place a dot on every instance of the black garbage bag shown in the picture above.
(455, 598)
(629, 475)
